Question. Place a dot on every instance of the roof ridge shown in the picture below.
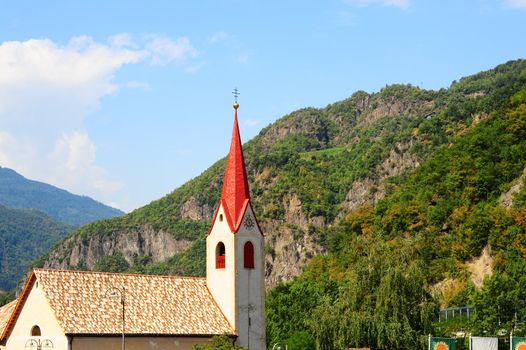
(118, 273)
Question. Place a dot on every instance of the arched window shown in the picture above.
(35, 331)
(248, 254)
(220, 256)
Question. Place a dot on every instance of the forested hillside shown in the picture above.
(391, 265)
(25, 234)
(17, 192)
(309, 170)
(34, 216)
(378, 209)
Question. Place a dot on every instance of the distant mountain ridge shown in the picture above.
(25, 234)
(17, 192)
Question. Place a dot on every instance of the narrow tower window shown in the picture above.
(248, 251)
(35, 331)
(220, 256)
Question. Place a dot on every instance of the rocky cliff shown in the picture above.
(307, 170)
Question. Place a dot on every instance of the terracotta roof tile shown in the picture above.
(5, 314)
(154, 304)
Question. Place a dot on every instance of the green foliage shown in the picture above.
(373, 288)
(300, 340)
(372, 293)
(501, 303)
(6, 298)
(219, 343)
(519, 200)
(289, 306)
(112, 263)
(24, 235)
(190, 262)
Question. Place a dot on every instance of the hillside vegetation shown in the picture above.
(25, 234)
(311, 168)
(381, 283)
(376, 209)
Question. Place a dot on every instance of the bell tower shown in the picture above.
(234, 253)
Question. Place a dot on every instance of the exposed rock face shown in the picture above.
(506, 199)
(145, 241)
(290, 245)
(367, 190)
(385, 109)
(192, 210)
(481, 267)
(290, 240)
(306, 122)
(362, 191)
(398, 161)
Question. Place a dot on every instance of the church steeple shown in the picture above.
(235, 259)
(235, 195)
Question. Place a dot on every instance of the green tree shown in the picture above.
(300, 340)
(112, 263)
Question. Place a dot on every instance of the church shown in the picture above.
(80, 310)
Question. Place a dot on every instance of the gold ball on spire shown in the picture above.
(236, 105)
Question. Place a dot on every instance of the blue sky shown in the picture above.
(124, 101)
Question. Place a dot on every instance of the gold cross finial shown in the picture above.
(236, 93)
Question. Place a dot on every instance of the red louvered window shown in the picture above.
(248, 251)
(220, 256)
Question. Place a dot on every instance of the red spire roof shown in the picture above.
(235, 195)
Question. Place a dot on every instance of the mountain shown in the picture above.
(313, 168)
(20, 193)
(25, 234)
(451, 233)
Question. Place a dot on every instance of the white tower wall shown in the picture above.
(250, 288)
(222, 282)
(239, 291)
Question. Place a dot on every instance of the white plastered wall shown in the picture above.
(239, 292)
(250, 287)
(221, 282)
(36, 311)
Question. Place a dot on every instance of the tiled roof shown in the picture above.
(5, 314)
(165, 305)
(235, 194)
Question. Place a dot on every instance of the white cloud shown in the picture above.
(8, 147)
(195, 67)
(516, 3)
(116, 206)
(251, 122)
(218, 37)
(46, 92)
(77, 151)
(403, 4)
(123, 40)
(164, 50)
(137, 85)
(347, 18)
(243, 58)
